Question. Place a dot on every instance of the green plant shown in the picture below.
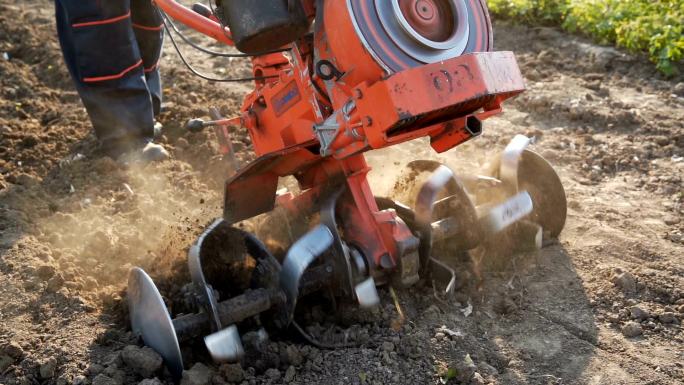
(652, 26)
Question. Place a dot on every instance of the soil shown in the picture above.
(602, 305)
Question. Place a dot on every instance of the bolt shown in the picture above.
(367, 121)
(358, 94)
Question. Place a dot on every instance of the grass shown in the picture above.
(652, 26)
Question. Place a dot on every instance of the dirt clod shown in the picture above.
(199, 374)
(47, 368)
(388, 346)
(144, 361)
(668, 318)
(291, 355)
(632, 329)
(273, 374)
(13, 349)
(477, 379)
(55, 283)
(45, 272)
(465, 369)
(639, 313)
(150, 381)
(289, 374)
(625, 281)
(232, 372)
(103, 379)
(5, 362)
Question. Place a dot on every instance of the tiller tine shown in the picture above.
(224, 345)
(274, 288)
(523, 197)
(299, 257)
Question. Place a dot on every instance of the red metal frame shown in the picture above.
(437, 100)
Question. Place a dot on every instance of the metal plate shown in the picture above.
(225, 345)
(505, 214)
(367, 293)
(151, 320)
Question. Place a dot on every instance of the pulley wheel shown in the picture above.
(151, 320)
(403, 34)
(540, 180)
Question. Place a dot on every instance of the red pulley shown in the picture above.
(380, 37)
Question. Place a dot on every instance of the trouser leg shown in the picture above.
(103, 57)
(149, 32)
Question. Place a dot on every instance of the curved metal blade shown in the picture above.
(198, 279)
(424, 206)
(151, 320)
(299, 257)
(444, 273)
(225, 345)
(510, 158)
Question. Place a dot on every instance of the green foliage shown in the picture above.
(653, 26)
(530, 11)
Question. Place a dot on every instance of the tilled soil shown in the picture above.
(602, 305)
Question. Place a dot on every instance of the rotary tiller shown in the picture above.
(334, 79)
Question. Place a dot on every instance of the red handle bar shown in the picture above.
(195, 21)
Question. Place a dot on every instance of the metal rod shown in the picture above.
(230, 312)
